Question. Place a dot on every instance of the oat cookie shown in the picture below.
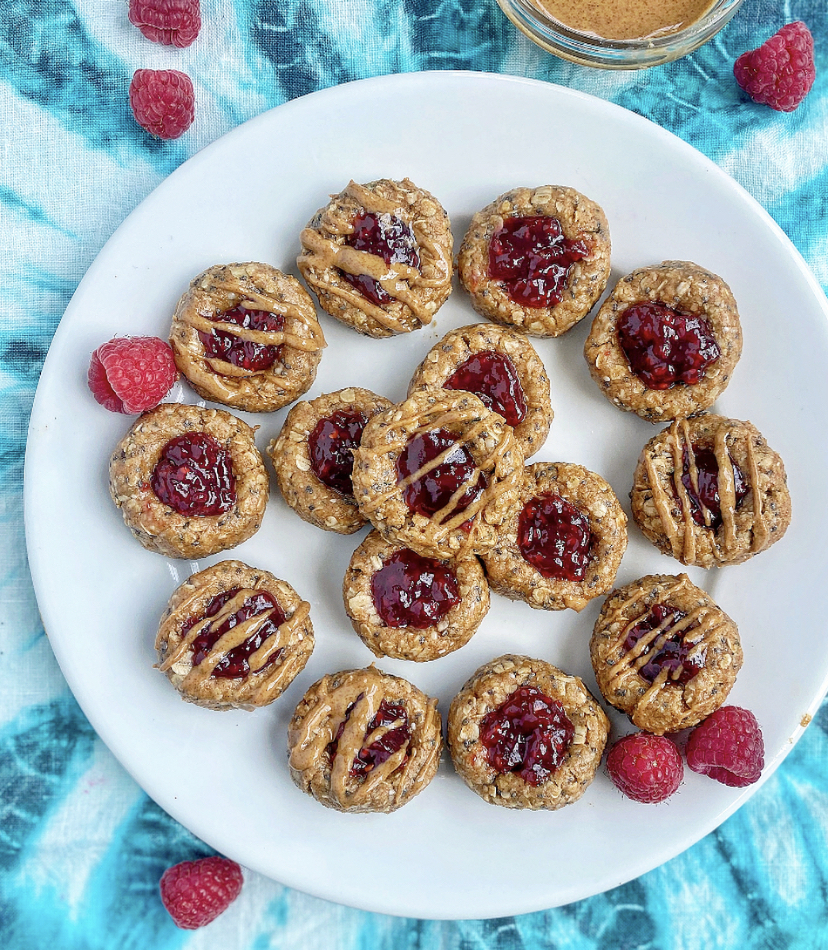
(379, 257)
(409, 607)
(562, 544)
(189, 481)
(666, 341)
(364, 741)
(664, 653)
(439, 474)
(313, 456)
(537, 259)
(710, 491)
(524, 734)
(234, 637)
(500, 366)
(246, 335)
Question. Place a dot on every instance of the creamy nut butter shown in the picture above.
(625, 19)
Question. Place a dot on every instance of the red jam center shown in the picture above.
(555, 538)
(433, 491)
(665, 652)
(236, 663)
(529, 734)
(532, 258)
(666, 346)
(380, 750)
(493, 377)
(707, 495)
(413, 591)
(332, 443)
(194, 476)
(256, 357)
(390, 238)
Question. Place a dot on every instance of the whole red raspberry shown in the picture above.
(196, 892)
(132, 374)
(781, 71)
(728, 746)
(162, 101)
(169, 22)
(646, 768)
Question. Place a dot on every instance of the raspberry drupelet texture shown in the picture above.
(169, 22)
(781, 71)
(196, 892)
(728, 746)
(162, 101)
(645, 768)
(132, 374)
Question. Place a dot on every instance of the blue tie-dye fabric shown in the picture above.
(81, 847)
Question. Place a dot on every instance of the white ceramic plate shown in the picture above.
(467, 138)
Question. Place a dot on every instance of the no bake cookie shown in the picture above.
(410, 607)
(234, 637)
(537, 259)
(563, 543)
(439, 474)
(379, 257)
(500, 366)
(246, 335)
(524, 734)
(313, 456)
(665, 342)
(189, 481)
(710, 491)
(364, 741)
(664, 653)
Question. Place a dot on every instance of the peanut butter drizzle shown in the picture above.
(684, 547)
(699, 626)
(439, 419)
(235, 294)
(396, 279)
(322, 723)
(198, 675)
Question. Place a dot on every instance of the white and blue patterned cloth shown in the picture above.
(81, 847)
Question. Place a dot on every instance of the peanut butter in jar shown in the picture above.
(625, 19)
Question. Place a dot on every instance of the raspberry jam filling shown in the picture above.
(194, 476)
(665, 652)
(432, 492)
(332, 443)
(390, 238)
(555, 538)
(380, 750)
(236, 663)
(245, 354)
(707, 496)
(493, 377)
(532, 258)
(530, 734)
(414, 591)
(666, 346)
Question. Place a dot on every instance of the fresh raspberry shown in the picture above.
(196, 892)
(162, 101)
(646, 768)
(169, 22)
(728, 746)
(132, 374)
(781, 71)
